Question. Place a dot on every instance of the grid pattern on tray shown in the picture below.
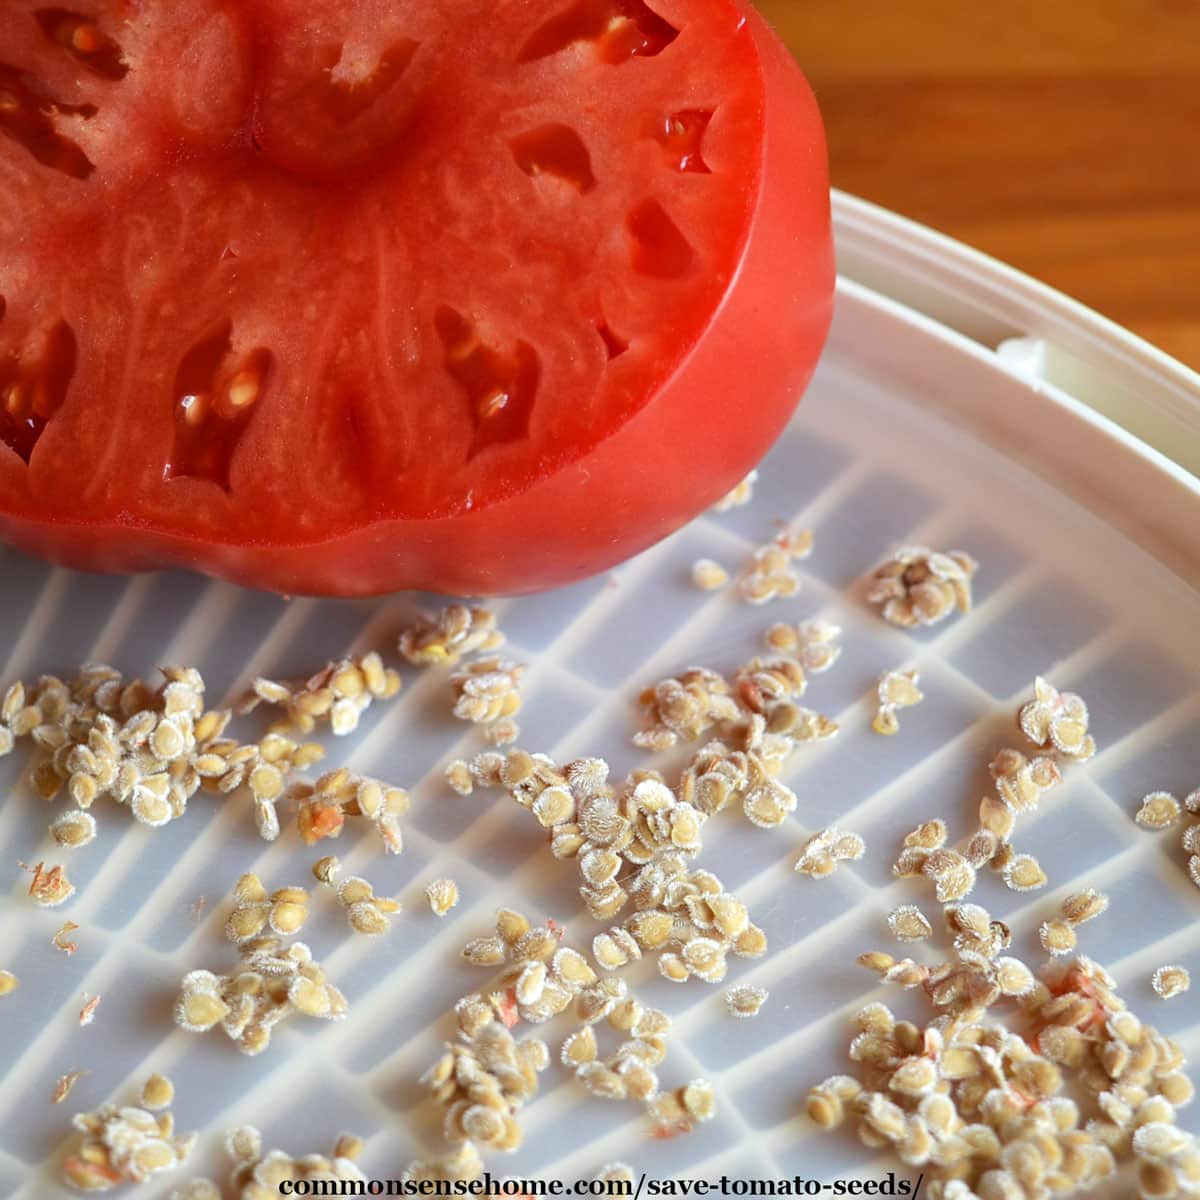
(1057, 593)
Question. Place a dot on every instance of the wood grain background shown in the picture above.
(1062, 136)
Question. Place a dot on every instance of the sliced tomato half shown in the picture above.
(474, 295)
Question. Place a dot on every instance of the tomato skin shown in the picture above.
(704, 429)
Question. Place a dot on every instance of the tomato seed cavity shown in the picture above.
(680, 136)
(83, 41)
(33, 387)
(27, 118)
(619, 29)
(214, 400)
(659, 247)
(616, 346)
(500, 388)
(555, 150)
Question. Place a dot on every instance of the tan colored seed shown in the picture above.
(601, 1081)
(484, 952)
(511, 926)
(309, 998)
(1057, 936)
(8, 983)
(90, 1176)
(930, 836)
(876, 960)
(325, 870)
(287, 917)
(909, 924)
(580, 1047)
(200, 1010)
(349, 1146)
(365, 917)
(74, 829)
(699, 1100)
(1177, 1089)
(1159, 810)
(442, 895)
(157, 1093)
(745, 1001)
(1024, 874)
(1083, 906)
(885, 721)
(245, 923)
(1171, 981)
(458, 776)
(672, 967)
(708, 576)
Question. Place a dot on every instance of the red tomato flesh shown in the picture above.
(479, 296)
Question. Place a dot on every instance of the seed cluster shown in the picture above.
(758, 727)
(456, 631)
(257, 1176)
(925, 854)
(274, 980)
(814, 644)
(485, 1077)
(540, 977)
(1058, 720)
(150, 749)
(1019, 784)
(823, 851)
(895, 690)
(919, 586)
(685, 707)
(770, 573)
(254, 912)
(979, 1104)
(629, 1071)
(755, 710)
(336, 695)
(487, 693)
(679, 1111)
(1160, 810)
(366, 912)
(646, 831)
(322, 807)
(127, 1143)
(1057, 935)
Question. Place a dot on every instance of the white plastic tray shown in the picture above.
(914, 430)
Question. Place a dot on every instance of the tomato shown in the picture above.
(479, 296)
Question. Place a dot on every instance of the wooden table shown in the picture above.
(1062, 136)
